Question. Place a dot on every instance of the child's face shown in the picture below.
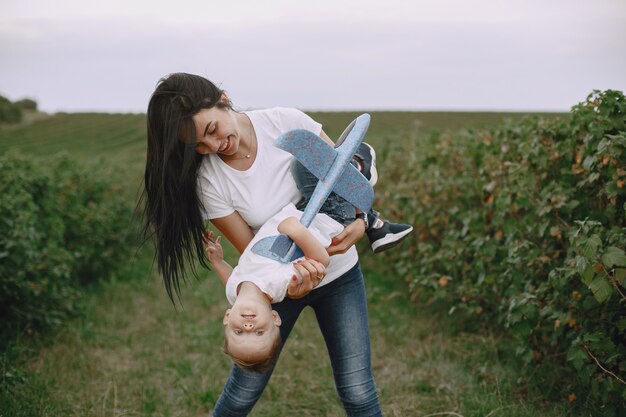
(251, 328)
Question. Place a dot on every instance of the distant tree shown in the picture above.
(9, 112)
(26, 104)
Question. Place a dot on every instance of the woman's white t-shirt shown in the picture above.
(261, 191)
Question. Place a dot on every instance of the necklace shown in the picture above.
(252, 141)
(252, 146)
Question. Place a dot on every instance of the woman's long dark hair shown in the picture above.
(172, 210)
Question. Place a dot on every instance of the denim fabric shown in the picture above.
(335, 207)
(341, 311)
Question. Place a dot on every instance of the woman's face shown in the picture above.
(217, 131)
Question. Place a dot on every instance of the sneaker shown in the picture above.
(388, 235)
(366, 158)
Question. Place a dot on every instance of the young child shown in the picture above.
(251, 327)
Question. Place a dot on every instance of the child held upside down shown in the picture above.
(251, 327)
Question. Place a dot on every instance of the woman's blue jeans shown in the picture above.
(341, 311)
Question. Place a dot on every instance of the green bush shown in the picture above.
(9, 112)
(522, 227)
(26, 104)
(61, 226)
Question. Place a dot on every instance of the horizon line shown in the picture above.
(342, 110)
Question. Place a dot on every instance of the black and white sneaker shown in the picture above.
(366, 158)
(388, 235)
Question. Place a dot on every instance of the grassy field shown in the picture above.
(133, 354)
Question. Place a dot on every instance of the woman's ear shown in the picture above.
(202, 149)
(225, 321)
(226, 101)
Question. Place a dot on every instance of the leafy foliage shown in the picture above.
(522, 227)
(27, 104)
(9, 112)
(60, 226)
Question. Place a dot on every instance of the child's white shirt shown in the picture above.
(271, 276)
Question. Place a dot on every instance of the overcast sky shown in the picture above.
(107, 55)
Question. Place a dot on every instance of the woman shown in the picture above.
(206, 161)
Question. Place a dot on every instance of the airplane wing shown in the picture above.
(312, 151)
(318, 157)
(335, 173)
(278, 248)
(357, 190)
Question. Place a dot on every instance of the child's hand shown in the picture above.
(213, 247)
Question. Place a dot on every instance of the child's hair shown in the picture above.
(257, 366)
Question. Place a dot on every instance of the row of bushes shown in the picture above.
(13, 112)
(523, 227)
(61, 225)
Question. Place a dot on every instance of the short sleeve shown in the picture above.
(214, 205)
(291, 118)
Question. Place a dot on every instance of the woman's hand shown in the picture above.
(312, 272)
(213, 247)
(351, 234)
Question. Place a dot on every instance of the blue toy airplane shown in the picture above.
(335, 173)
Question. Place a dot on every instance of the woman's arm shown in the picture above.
(328, 140)
(311, 247)
(235, 229)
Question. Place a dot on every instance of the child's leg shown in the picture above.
(381, 233)
(335, 206)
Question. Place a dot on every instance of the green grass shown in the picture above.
(133, 354)
(116, 141)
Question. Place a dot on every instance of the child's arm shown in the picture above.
(216, 256)
(311, 247)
